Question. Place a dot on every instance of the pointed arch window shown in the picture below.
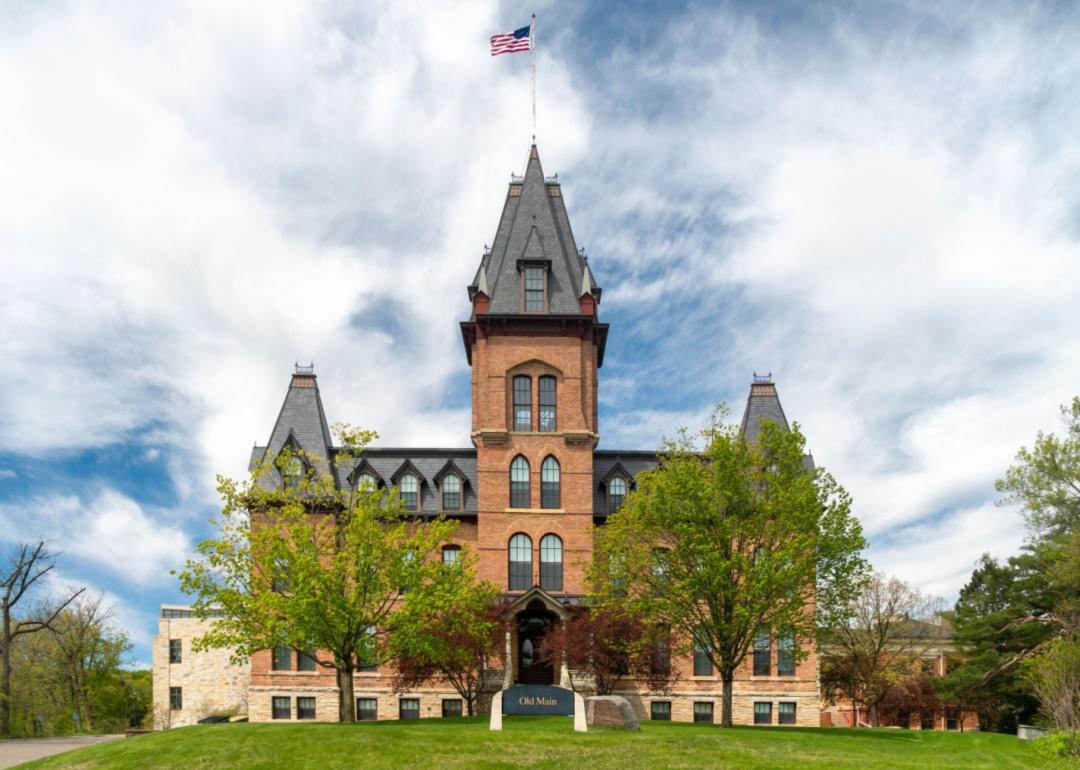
(547, 404)
(520, 562)
(451, 492)
(522, 403)
(549, 483)
(551, 561)
(293, 472)
(519, 483)
(365, 482)
(410, 491)
(616, 493)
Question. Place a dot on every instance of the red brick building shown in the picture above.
(531, 489)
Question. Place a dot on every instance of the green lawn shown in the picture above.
(548, 742)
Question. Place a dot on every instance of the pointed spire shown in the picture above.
(762, 404)
(301, 424)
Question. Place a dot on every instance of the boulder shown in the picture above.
(611, 711)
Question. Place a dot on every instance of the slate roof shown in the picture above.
(301, 423)
(534, 227)
(763, 403)
(387, 463)
(606, 462)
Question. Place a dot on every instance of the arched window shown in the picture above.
(451, 492)
(522, 403)
(519, 483)
(365, 482)
(450, 554)
(409, 490)
(551, 563)
(616, 493)
(547, 404)
(549, 483)
(293, 472)
(520, 562)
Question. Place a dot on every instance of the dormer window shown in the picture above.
(409, 490)
(616, 490)
(365, 482)
(451, 492)
(293, 473)
(535, 289)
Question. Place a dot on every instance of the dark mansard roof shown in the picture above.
(302, 426)
(534, 228)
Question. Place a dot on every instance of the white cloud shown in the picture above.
(883, 214)
(8, 473)
(110, 532)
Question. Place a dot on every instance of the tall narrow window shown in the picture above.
(761, 651)
(522, 403)
(450, 554)
(547, 404)
(519, 483)
(660, 662)
(368, 660)
(282, 660)
(534, 289)
(551, 563)
(409, 491)
(616, 491)
(451, 492)
(549, 483)
(785, 653)
(176, 651)
(280, 582)
(520, 562)
(305, 661)
(702, 664)
(293, 472)
(176, 698)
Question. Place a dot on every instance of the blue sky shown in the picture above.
(879, 203)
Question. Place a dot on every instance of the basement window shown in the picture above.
(281, 708)
(660, 711)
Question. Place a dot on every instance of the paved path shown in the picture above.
(16, 752)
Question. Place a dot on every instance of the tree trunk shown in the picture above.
(728, 677)
(348, 701)
(5, 678)
(872, 713)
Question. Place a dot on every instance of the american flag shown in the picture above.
(511, 42)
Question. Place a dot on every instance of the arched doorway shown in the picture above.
(534, 623)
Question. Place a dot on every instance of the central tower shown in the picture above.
(535, 345)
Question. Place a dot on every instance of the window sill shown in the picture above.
(535, 510)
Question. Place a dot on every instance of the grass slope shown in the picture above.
(548, 742)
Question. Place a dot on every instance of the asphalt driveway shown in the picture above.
(16, 752)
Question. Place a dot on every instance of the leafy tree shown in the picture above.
(450, 630)
(994, 628)
(912, 694)
(1054, 676)
(609, 646)
(315, 568)
(30, 563)
(716, 544)
(88, 653)
(888, 628)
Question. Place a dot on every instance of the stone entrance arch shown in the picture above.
(534, 615)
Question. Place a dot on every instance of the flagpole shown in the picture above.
(532, 64)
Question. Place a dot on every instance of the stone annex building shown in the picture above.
(526, 496)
